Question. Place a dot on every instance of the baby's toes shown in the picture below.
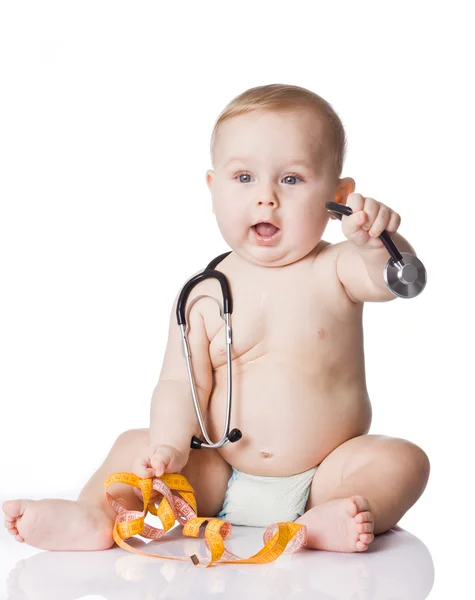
(13, 511)
(366, 538)
(10, 525)
(364, 522)
(10, 517)
(364, 527)
(9, 522)
(12, 530)
(361, 546)
(365, 516)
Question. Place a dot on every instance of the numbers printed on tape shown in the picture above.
(182, 508)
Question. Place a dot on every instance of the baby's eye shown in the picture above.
(239, 175)
(292, 177)
(286, 178)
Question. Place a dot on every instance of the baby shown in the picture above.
(299, 389)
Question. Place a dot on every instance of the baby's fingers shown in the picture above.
(352, 227)
(159, 463)
(142, 467)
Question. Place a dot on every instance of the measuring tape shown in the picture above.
(182, 508)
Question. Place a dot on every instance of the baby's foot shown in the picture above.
(343, 525)
(54, 524)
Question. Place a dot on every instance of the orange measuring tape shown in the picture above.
(182, 508)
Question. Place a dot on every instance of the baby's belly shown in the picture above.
(290, 419)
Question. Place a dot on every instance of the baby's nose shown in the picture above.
(271, 200)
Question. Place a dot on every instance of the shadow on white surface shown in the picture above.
(396, 566)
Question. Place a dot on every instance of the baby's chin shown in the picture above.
(268, 256)
(276, 252)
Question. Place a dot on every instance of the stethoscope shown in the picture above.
(404, 274)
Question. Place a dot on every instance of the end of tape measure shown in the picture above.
(194, 559)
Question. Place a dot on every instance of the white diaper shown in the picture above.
(258, 501)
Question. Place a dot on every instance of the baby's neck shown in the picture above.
(250, 264)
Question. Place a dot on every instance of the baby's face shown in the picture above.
(275, 167)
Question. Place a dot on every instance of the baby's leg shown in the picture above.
(86, 524)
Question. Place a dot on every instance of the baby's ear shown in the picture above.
(209, 178)
(209, 182)
(347, 187)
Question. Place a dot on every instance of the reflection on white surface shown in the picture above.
(396, 566)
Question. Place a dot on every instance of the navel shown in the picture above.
(266, 454)
(321, 333)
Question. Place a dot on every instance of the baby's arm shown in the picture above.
(173, 420)
(361, 270)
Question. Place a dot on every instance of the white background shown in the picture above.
(106, 115)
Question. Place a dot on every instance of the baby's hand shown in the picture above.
(369, 219)
(156, 460)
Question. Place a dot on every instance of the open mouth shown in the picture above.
(266, 233)
(265, 230)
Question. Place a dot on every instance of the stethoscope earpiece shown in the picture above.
(404, 273)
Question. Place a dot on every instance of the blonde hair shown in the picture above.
(280, 96)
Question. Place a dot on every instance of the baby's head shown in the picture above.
(277, 153)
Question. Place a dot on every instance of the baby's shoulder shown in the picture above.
(327, 253)
(324, 267)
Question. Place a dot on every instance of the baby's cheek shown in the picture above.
(232, 226)
(306, 231)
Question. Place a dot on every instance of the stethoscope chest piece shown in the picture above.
(405, 280)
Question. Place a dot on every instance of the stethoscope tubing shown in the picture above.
(224, 438)
(208, 273)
